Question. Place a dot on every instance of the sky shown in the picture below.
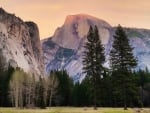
(50, 14)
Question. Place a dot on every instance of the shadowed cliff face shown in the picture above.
(20, 43)
(36, 45)
(64, 50)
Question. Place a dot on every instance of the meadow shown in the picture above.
(75, 110)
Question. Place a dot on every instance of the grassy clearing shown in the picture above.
(72, 110)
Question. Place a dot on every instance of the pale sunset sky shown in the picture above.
(50, 14)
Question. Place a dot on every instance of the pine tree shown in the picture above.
(122, 63)
(64, 88)
(40, 90)
(81, 94)
(93, 59)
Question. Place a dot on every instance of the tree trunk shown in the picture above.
(125, 97)
(16, 98)
(51, 95)
(95, 96)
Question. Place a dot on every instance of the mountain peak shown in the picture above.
(84, 17)
(81, 16)
(75, 29)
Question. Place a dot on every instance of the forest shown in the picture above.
(121, 85)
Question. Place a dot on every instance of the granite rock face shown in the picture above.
(65, 49)
(20, 43)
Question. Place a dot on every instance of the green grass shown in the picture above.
(72, 110)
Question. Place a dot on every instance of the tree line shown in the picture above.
(22, 90)
(118, 86)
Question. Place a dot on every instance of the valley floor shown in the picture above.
(75, 110)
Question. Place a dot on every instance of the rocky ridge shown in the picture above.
(20, 43)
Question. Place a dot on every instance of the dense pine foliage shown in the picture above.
(63, 92)
(93, 62)
(122, 64)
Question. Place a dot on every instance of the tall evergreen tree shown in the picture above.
(142, 78)
(122, 63)
(40, 90)
(81, 94)
(93, 59)
(64, 88)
